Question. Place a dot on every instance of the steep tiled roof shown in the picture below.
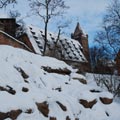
(68, 49)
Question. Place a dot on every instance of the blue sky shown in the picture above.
(88, 13)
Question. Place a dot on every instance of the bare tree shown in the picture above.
(100, 60)
(109, 82)
(109, 36)
(15, 14)
(60, 26)
(47, 9)
(4, 3)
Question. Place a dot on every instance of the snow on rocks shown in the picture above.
(106, 98)
(33, 87)
(80, 78)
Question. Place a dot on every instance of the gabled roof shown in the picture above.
(69, 49)
(14, 39)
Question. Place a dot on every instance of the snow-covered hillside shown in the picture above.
(33, 87)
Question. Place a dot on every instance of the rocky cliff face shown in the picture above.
(33, 87)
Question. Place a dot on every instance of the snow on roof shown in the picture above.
(69, 49)
(3, 15)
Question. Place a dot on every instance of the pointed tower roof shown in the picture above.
(78, 30)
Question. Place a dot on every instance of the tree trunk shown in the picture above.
(46, 27)
(45, 39)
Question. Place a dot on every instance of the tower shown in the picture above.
(83, 40)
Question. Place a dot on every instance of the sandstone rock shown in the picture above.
(29, 111)
(88, 104)
(3, 116)
(81, 78)
(53, 118)
(106, 100)
(13, 114)
(64, 71)
(61, 106)
(83, 81)
(43, 108)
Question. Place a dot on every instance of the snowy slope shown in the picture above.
(33, 87)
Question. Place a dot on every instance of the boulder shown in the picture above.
(79, 77)
(106, 97)
(88, 104)
(13, 114)
(64, 71)
(53, 118)
(3, 116)
(106, 100)
(43, 108)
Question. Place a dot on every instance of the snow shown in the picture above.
(51, 87)
(106, 95)
(69, 48)
(34, 44)
(76, 75)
